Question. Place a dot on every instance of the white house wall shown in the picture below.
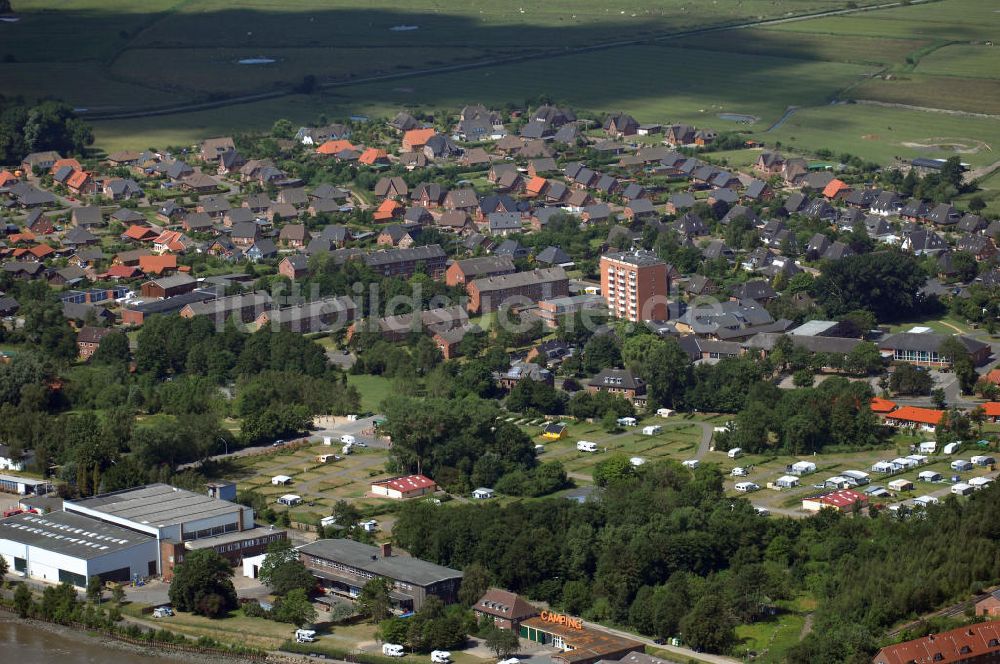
(44, 565)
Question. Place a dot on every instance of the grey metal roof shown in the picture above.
(519, 279)
(639, 258)
(391, 256)
(369, 558)
(156, 504)
(73, 535)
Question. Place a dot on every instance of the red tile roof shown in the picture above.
(408, 483)
(416, 138)
(880, 405)
(992, 408)
(843, 498)
(139, 233)
(917, 415)
(535, 185)
(834, 187)
(372, 155)
(41, 250)
(157, 264)
(6, 177)
(387, 209)
(77, 179)
(72, 163)
(333, 147)
(122, 272)
(963, 644)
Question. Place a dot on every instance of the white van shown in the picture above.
(440, 656)
(392, 650)
(348, 439)
(735, 453)
(305, 635)
(586, 446)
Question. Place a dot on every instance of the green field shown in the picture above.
(373, 389)
(175, 51)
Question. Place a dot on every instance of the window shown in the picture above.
(20, 564)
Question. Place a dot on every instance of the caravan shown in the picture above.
(440, 656)
(305, 635)
(392, 650)
(586, 446)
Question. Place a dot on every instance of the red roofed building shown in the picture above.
(80, 182)
(535, 186)
(373, 156)
(158, 264)
(388, 210)
(41, 251)
(974, 643)
(7, 178)
(122, 272)
(169, 241)
(139, 234)
(842, 501)
(69, 161)
(403, 488)
(415, 139)
(882, 406)
(992, 410)
(993, 377)
(333, 147)
(926, 419)
(836, 188)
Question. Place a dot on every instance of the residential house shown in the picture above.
(620, 382)
(405, 262)
(89, 338)
(488, 294)
(213, 148)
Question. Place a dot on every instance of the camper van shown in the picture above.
(586, 446)
(735, 453)
(440, 656)
(305, 635)
(392, 650)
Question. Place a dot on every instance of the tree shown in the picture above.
(939, 398)
(710, 625)
(113, 349)
(203, 584)
(23, 601)
(4, 568)
(977, 204)
(475, 582)
(117, 594)
(803, 378)
(885, 283)
(295, 608)
(283, 572)
(613, 469)
(502, 642)
(282, 128)
(374, 601)
(95, 589)
(908, 379)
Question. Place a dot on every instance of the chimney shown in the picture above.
(385, 548)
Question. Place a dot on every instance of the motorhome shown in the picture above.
(586, 446)
(392, 650)
(305, 635)
(440, 656)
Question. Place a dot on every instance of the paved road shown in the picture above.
(490, 62)
(686, 652)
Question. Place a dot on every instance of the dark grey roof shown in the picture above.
(552, 256)
(473, 267)
(619, 378)
(518, 279)
(390, 256)
(172, 304)
(927, 341)
(369, 559)
(72, 535)
(156, 505)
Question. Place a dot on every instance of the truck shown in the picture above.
(305, 635)
(392, 650)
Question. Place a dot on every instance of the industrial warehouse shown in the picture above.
(131, 534)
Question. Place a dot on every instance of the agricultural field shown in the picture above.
(193, 49)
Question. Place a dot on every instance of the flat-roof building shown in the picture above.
(579, 644)
(180, 521)
(635, 285)
(62, 547)
(345, 566)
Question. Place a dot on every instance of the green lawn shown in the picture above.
(373, 389)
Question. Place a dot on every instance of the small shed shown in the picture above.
(482, 493)
(901, 485)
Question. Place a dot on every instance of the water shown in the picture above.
(25, 644)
